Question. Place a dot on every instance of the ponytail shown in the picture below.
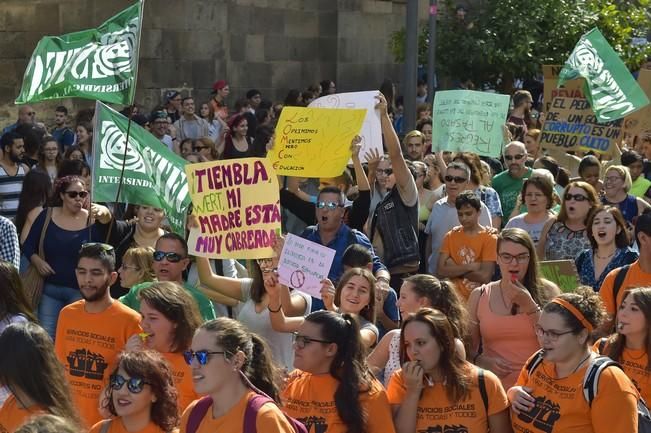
(260, 370)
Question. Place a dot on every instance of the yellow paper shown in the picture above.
(314, 142)
(237, 205)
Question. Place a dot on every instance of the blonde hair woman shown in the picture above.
(137, 266)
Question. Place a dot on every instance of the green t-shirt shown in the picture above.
(205, 306)
(640, 187)
(508, 188)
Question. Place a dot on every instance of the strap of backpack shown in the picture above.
(198, 412)
(619, 280)
(106, 426)
(534, 362)
(251, 413)
(592, 374)
(482, 389)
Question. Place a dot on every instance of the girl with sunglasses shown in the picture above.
(141, 396)
(231, 366)
(631, 344)
(170, 317)
(332, 388)
(564, 236)
(355, 294)
(434, 380)
(548, 396)
(418, 291)
(34, 375)
(63, 229)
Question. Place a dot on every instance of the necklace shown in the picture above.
(607, 257)
(580, 363)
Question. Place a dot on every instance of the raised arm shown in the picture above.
(229, 287)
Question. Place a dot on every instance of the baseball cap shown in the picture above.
(171, 94)
(155, 115)
(219, 85)
(251, 93)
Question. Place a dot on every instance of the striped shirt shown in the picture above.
(10, 187)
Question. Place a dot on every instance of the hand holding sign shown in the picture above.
(304, 264)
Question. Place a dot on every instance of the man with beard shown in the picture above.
(12, 173)
(93, 331)
(508, 184)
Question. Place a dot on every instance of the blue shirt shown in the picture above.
(64, 136)
(585, 265)
(345, 236)
(390, 308)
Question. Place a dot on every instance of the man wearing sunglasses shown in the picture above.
(93, 331)
(444, 215)
(170, 261)
(508, 184)
(26, 115)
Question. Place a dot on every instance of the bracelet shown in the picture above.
(274, 311)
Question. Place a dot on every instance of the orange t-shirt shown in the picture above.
(465, 249)
(635, 277)
(12, 415)
(88, 345)
(182, 379)
(269, 420)
(117, 426)
(561, 407)
(310, 399)
(634, 363)
(437, 413)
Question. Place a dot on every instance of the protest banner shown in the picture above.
(561, 272)
(569, 89)
(635, 124)
(570, 124)
(469, 121)
(314, 142)
(237, 206)
(303, 264)
(371, 131)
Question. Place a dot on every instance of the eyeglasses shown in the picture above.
(518, 157)
(612, 179)
(520, 259)
(266, 265)
(575, 197)
(455, 179)
(551, 335)
(171, 257)
(75, 194)
(201, 356)
(330, 205)
(134, 268)
(198, 148)
(32, 113)
(385, 171)
(135, 385)
(301, 340)
(104, 247)
(421, 174)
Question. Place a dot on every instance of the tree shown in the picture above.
(507, 39)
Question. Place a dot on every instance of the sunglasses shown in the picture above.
(386, 171)
(518, 157)
(575, 197)
(455, 179)
(171, 257)
(200, 355)
(331, 205)
(75, 194)
(135, 385)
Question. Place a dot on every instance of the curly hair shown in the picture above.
(153, 369)
(587, 302)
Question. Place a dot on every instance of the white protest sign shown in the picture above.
(371, 131)
(303, 264)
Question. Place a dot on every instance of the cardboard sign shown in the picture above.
(570, 89)
(303, 264)
(570, 124)
(561, 272)
(469, 121)
(371, 132)
(314, 142)
(637, 123)
(237, 205)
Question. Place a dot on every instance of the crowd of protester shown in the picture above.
(434, 317)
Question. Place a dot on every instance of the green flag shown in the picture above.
(99, 64)
(611, 89)
(153, 174)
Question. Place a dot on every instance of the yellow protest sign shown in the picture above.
(571, 88)
(314, 142)
(237, 205)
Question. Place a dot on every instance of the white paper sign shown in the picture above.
(371, 131)
(303, 264)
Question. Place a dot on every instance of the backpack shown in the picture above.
(619, 281)
(250, 415)
(591, 386)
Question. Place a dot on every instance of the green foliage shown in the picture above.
(504, 39)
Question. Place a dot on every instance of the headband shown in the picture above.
(575, 312)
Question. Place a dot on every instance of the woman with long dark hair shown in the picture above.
(332, 387)
(49, 156)
(434, 380)
(34, 376)
(234, 142)
(14, 306)
(37, 187)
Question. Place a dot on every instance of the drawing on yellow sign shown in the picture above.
(314, 142)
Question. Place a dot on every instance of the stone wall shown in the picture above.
(272, 45)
